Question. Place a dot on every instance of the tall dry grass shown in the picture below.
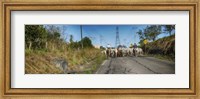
(84, 60)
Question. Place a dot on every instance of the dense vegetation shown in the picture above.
(45, 43)
(162, 48)
(39, 37)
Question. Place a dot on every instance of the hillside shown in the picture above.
(42, 62)
(162, 48)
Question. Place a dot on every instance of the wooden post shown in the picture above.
(30, 45)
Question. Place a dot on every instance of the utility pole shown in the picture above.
(81, 37)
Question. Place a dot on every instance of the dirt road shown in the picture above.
(136, 65)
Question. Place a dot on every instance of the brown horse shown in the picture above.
(119, 52)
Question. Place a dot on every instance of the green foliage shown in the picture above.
(39, 37)
(54, 38)
(71, 39)
(35, 36)
(56, 35)
(86, 42)
(131, 45)
(169, 29)
(141, 34)
(141, 43)
(74, 45)
(152, 31)
(53, 33)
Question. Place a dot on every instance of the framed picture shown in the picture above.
(100, 48)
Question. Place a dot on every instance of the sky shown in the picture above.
(102, 35)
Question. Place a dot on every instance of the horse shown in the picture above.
(137, 51)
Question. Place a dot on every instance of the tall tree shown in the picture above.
(54, 36)
(152, 31)
(141, 34)
(54, 32)
(169, 29)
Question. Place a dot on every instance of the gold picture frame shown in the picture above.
(118, 5)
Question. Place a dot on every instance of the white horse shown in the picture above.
(140, 51)
(103, 52)
(137, 51)
(112, 53)
(124, 51)
(130, 51)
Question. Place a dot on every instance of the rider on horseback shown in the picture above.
(135, 45)
(135, 49)
(108, 50)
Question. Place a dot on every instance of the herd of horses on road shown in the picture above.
(123, 52)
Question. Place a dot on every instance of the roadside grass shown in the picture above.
(95, 64)
(40, 61)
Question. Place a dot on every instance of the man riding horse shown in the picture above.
(135, 49)
(108, 51)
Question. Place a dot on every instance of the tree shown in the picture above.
(71, 39)
(35, 36)
(141, 34)
(54, 32)
(152, 31)
(169, 29)
(131, 45)
(86, 42)
(54, 36)
(64, 34)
